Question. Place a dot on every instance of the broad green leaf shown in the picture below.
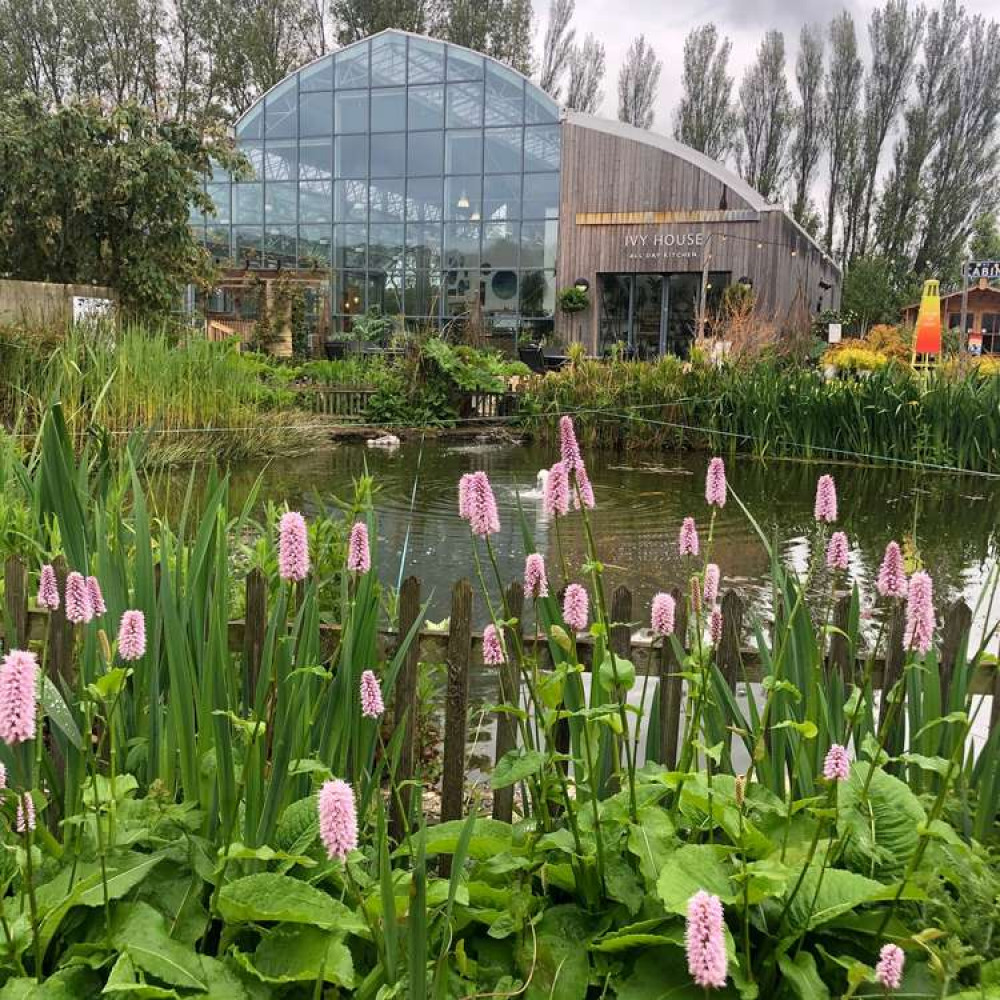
(59, 714)
(490, 838)
(141, 932)
(817, 901)
(694, 867)
(625, 670)
(800, 973)
(557, 960)
(270, 897)
(123, 979)
(300, 953)
(661, 974)
(515, 766)
(298, 826)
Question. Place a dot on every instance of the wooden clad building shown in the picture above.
(644, 220)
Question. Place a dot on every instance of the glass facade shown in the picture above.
(423, 177)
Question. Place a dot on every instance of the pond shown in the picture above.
(641, 499)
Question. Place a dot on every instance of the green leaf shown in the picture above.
(270, 897)
(123, 978)
(661, 974)
(59, 714)
(806, 729)
(938, 765)
(625, 669)
(694, 867)
(297, 953)
(515, 766)
(839, 892)
(298, 826)
(557, 960)
(141, 932)
(490, 838)
(801, 974)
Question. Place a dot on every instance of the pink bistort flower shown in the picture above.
(132, 636)
(662, 615)
(837, 764)
(892, 573)
(359, 558)
(889, 970)
(837, 551)
(293, 547)
(48, 588)
(479, 505)
(825, 508)
(576, 607)
(338, 819)
(96, 597)
(555, 492)
(25, 820)
(18, 696)
(919, 631)
(705, 941)
(715, 626)
(493, 651)
(711, 583)
(536, 583)
(715, 483)
(464, 491)
(569, 448)
(688, 541)
(583, 495)
(79, 610)
(3, 776)
(372, 705)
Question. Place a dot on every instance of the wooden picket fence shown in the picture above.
(350, 402)
(460, 648)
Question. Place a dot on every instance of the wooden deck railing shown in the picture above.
(350, 402)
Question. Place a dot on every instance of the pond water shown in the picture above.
(641, 500)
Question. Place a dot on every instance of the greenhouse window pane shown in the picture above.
(351, 113)
(541, 196)
(538, 244)
(280, 202)
(500, 291)
(463, 197)
(541, 148)
(460, 291)
(426, 107)
(538, 293)
(351, 66)
(251, 125)
(316, 201)
(425, 153)
(248, 203)
(315, 245)
(423, 199)
(315, 159)
(387, 200)
(504, 96)
(461, 245)
(316, 113)
(281, 161)
(501, 197)
(463, 152)
(539, 108)
(385, 247)
(220, 195)
(351, 154)
(423, 245)
(388, 60)
(352, 292)
(350, 199)
(350, 244)
(281, 245)
(254, 152)
(426, 61)
(465, 105)
(389, 110)
(248, 243)
(503, 150)
(281, 110)
(500, 244)
(422, 293)
(318, 76)
(218, 241)
(463, 65)
(388, 155)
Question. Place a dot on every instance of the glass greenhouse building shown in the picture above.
(433, 184)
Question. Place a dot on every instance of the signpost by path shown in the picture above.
(982, 272)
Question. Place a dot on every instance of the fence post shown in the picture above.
(671, 685)
(16, 600)
(728, 656)
(621, 628)
(839, 655)
(957, 622)
(405, 701)
(59, 640)
(254, 633)
(510, 690)
(895, 657)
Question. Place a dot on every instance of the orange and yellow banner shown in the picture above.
(928, 334)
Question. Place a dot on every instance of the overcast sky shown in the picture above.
(665, 23)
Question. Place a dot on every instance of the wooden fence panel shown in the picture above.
(405, 702)
(672, 685)
(510, 688)
(15, 576)
(457, 701)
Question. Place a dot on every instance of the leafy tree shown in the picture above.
(356, 19)
(872, 291)
(558, 45)
(92, 197)
(985, 242)
(638, 80)
(705, 119)
(810, 119)
(500, 28)
(766, 118)
(586, 72)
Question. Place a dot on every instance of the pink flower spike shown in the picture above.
(715, 626)
(825, 509)
(555, 492)
(132, 636)
(837, 551)
(569, 448)
(338, 819)
(536, 583)
(493, 652)
(919, 632)
(18, 696)
(25, 813)
(96, 597)
(359, 559)
(3, 776)
(464, 491)
(79, 610)
(481, 506)
(892, 573)
(48, 588)
(372, 705)
(688, 541)
(837, 765)
(576, 607)
(705, 941)
(661, 618)
(715, 483)
(695, 596)
(711, 585)
(293, 547)
(889, 970)
(584, 491)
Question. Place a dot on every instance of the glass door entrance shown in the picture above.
(649, 315)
